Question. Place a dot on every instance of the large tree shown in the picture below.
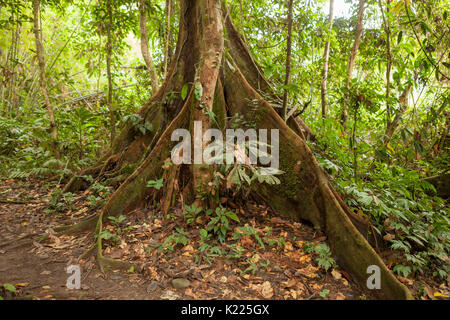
(225, 80)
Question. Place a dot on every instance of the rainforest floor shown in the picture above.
(282, 270)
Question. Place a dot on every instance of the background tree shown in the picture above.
(42, 77)
(326, 55)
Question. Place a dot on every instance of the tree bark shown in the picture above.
(168, 36)
(326, 55)
(42, 78)
(351, 61)
(144, 46)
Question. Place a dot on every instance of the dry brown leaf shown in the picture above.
(405, 280)
(290, 283)
(340, 296)
(288, 246)
(336, 274)
(293, 293)
(24, 284)
(247, 242)
(189, 293)
(389, 237)
(309, 271)
(267, 290)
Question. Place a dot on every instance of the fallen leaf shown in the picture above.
(405, 280)
(429, 292)
(24, 284)
(170, 295)
(267, 290)
(440, 295)
(341, 296)
(189, 293)
(389, 237)
(336, 274)
(309, 271)
(288, 246)
(290, 283)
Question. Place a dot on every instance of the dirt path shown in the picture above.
(278, 269)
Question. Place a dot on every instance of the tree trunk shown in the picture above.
(112, 116)
(326, 55)
(144, 46)
(288, 59)
(213, 59)
(351, 61)
(387, 30)
(168, 36)
(404, 103)
(42, 78)
(441, 183)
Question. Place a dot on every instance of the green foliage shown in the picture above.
(178, 237)
(220, 223)
(191, 213)
(324, 293)
(9, 287)
(248, 231)
(140, 124)
(109, 236)
(156, 184)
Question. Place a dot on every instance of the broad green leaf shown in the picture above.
(9, 287)
(184, 91)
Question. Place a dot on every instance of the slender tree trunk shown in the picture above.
(41, 62)
(144, 46)
(288, 59)
(351, 61)
(392, 125)
(112, 116)
(326, 55)
(167, 49)
(387, 30)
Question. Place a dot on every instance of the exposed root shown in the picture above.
(88, 252)
(109, 162)
(171, 185)
(6, 244)
(78, 182)
(82, 226)
(104, 263)
(85, 225)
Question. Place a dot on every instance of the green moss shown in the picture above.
(289, 179)
(128, 168)
(219, 109)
